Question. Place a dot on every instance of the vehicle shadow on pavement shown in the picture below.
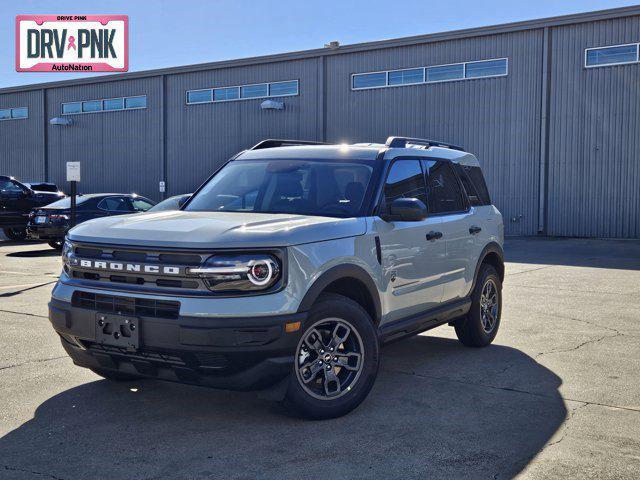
(47, 252)
(437, 410)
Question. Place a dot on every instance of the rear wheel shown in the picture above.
(15, 233)
(481, 324)
(336, 359)
(57, 244)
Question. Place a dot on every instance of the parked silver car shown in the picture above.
(289, 266)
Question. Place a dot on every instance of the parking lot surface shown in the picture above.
(556, 395)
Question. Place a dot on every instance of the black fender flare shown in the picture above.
(336, 273)
(491, 247)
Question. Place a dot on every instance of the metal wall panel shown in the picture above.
(21, 140)
(594, 141)
(120, 151)
(498, 119)
(201, 137)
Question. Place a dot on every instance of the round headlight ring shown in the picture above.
(261, 272)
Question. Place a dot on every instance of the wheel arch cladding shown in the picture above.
(350, 281)
(493, 255)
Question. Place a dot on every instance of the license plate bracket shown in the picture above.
(117, 331)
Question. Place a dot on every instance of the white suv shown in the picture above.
(289, 266)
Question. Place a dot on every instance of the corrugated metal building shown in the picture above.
(553, 116)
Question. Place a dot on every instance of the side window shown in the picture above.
(443, 189)
(477, 180)
(405, 180)
(140, 205)
(114, 204)
(9, 186)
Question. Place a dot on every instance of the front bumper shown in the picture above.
(46, 232)
(231, 353)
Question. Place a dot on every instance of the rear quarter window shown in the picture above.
(474, 185)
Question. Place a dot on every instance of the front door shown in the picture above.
(13, 210)
(412, 265)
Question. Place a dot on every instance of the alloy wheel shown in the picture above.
(329, 358)
(489, 306)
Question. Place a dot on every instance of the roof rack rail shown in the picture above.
(272, 143)
(401, 142)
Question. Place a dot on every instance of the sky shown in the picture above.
(166, 33)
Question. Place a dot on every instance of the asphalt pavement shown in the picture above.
(556, 395)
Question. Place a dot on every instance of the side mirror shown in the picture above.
(406, 210)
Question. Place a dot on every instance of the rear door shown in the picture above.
(448, 201)
(412, 265)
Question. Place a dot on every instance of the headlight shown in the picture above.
(67, 250)
(240, 272)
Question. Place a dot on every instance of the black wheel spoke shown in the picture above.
(314, 340)
(350, 361)
(339, 336)
(332, 385)
(309, 371)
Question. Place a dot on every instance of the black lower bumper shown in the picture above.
(231, 353)
(43, 232)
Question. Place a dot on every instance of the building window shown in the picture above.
(255, 91)
(406, 77)
(613, 55)
(199, 96)
(369, 80)
(105, 105)
(135, 102)
(431, 74)
(14, 113)
(445, 73)
(283, 89)
(224, 94)
(286, 88)
(486, 68)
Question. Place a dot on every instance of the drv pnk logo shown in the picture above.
(72, 43)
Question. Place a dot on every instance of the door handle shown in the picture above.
(474, 230)
(434, 235)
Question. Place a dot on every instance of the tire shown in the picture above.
(115, 376)
(477, 329)
(15, 234)
(57, 244)
(354, 363)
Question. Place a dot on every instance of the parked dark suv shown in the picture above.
(51, 223)
(17, 199)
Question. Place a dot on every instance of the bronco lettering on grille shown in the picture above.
(129, 267)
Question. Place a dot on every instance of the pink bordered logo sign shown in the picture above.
(72, 43)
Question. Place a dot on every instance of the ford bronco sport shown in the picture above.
(288, 267)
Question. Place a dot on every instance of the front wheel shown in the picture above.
(336, 360)
(481, 324)
(15, 233)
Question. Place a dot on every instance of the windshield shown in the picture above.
(66, 202)
(323, 188)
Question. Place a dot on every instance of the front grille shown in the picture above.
(139, 307)
(141, 354)
(140, 279)
(125, 255)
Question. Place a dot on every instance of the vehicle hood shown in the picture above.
(179, 229)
